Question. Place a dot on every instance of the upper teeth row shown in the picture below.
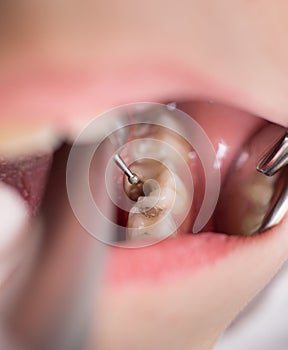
(15, 142)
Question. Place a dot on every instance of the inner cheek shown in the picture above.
(235, 128)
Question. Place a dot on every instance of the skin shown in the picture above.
(223, 51)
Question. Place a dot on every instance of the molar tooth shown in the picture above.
(152, 215)
(247, 205)
(181, 198)
(145, 203)
(18, 140)
(148, 148)
(249, 200)
(142, 227)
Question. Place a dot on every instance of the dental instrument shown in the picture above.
(272, 162)
(276, 158)
(252, 201)
(132, 177)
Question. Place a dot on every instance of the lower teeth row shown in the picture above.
(248, 197)
(244, 204)
(162, 201)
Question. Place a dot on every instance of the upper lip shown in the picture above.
(67, 96)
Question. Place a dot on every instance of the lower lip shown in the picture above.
(172, 258)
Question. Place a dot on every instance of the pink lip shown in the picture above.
(176, 257)
(58, 96)
(170, 258)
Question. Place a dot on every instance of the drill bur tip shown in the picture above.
(132, 177)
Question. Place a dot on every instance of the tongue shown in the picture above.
(28, 176)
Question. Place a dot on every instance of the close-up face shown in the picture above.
(193, 94)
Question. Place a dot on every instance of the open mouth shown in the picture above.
(33, 165)
(228, 129)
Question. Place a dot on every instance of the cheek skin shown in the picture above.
(191, 310)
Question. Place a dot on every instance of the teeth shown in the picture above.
(259, 195)
(16, 141)
(245, 205)
(155, 215)
(14, 219)
(152, 216)
(89, 133)
(148, 226)
(251, 202)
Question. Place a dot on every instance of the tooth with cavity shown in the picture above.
(157, 224)
(153, 215)
(22, 140)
